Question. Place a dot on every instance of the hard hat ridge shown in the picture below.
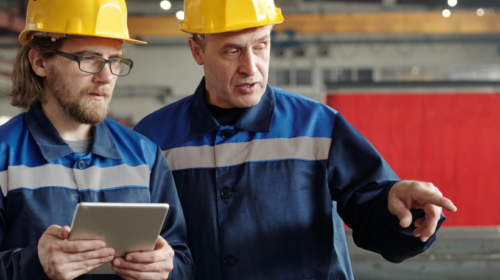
(96, 18)
(217, 16)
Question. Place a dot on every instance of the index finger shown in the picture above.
(438, 200)
(82, 246)
(146, 257)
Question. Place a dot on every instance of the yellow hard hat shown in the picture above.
(217, 16)
(96, 18)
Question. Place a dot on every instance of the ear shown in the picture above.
(196, 51)
(38, 64)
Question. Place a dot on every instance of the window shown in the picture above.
(344, 75)
(365, 75)
(283, 77)
(304, 77)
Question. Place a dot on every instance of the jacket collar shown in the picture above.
(53, 146)
(257, 118)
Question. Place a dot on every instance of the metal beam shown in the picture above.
(460, 22)
(139, 26)
(392, 23)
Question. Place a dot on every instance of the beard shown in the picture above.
(78, 106)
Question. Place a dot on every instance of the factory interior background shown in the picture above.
(419, 78)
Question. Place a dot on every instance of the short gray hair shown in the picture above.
(201, 39)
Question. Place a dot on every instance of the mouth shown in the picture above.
(247, 87)
(247, 84)
(97, 96)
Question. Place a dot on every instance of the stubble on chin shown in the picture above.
(79, 106)
(88, 111)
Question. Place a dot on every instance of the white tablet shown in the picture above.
(125, 227)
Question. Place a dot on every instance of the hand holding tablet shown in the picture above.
(125, 227)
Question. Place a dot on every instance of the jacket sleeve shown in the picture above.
(163, 190)
(359, 180)
(18, 264)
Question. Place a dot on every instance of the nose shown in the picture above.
(105, 76)
(248, 63)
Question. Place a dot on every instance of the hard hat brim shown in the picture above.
(25, 35)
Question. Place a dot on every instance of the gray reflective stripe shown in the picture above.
(3, 182)
(97, 178)
(190, 157)
(305, 148)
(91, 178)
(21, 176)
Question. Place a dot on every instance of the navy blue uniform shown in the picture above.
(42, 180)
(262, 198)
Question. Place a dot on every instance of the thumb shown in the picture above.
(64, 233)
(160, 243)
(398, 208)
(54, 230)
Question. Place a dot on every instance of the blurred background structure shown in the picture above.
(419, 78)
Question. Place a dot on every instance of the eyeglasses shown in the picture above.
(91, 63)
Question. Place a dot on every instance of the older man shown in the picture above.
(264, 174)
(64, 150)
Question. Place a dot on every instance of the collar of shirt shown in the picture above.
(257, 118)
(53, 146)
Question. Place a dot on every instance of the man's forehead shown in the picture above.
(252, 34)
(94, 45)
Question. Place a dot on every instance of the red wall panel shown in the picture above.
(451, 140)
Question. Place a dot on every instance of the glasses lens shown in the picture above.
(123, 67)
(91, 63)
(120, 66)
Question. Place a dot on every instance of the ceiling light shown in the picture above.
(446, 13)
(165, 4)
(480, 12)
(180, 15)
(452, 3)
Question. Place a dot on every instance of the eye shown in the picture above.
(232, 52)
(260, 47)
(87, 58)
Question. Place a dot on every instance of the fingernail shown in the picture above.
(129, 258)
(110, 258)
(118, 263)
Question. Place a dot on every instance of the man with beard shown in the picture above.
(265, 175)
(64, 150)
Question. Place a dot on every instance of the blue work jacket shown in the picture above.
(42, 180)
(262, 198)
